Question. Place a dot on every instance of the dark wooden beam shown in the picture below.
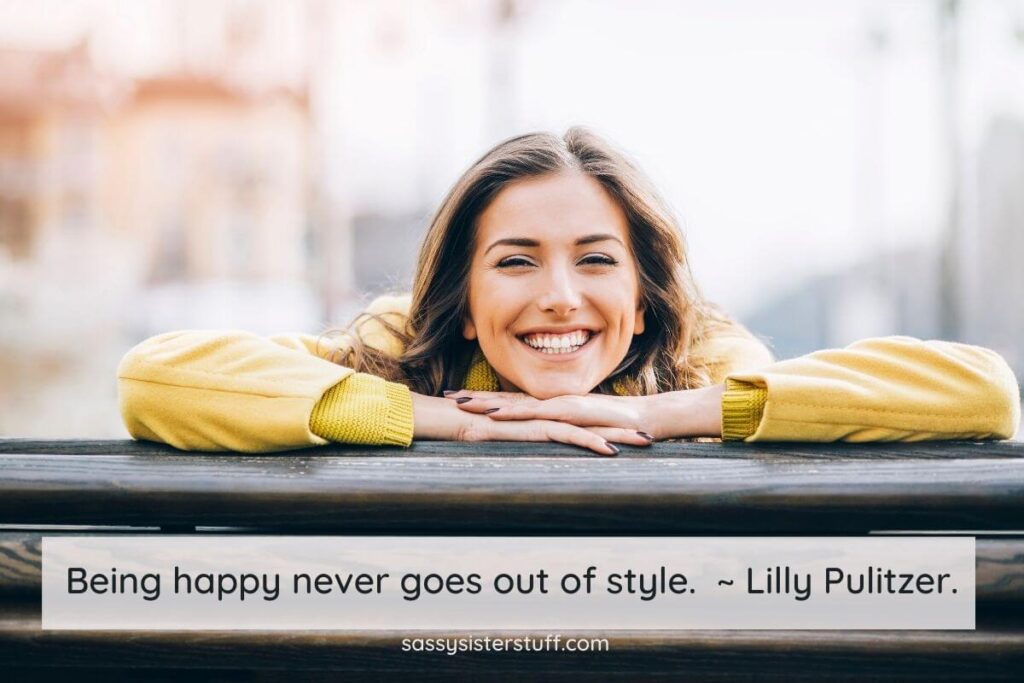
(543, 494)
(942, 450)
(994, 649)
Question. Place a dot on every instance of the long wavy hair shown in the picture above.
(437, 357)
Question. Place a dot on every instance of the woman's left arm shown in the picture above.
(884, 389)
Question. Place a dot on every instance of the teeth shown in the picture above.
(561, 343)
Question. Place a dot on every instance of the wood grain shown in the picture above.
(994, 649)
(944, 450)
(498, 494)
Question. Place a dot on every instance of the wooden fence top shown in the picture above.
(520, 487)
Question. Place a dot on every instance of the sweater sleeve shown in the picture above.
(364, 409)
(883, 389)
(230, 390)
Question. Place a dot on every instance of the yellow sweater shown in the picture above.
(232, 390)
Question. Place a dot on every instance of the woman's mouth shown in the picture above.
(558, 346)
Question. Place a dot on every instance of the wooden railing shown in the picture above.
(115, 487)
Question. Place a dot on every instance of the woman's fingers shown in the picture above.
(583, 411)
(575, 409)
(590, 421)
(540, 430)
(571, 434)
(631, 437)
(512, 396)
(480, 405)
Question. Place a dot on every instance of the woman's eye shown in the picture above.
(512, 262)
(599, 259)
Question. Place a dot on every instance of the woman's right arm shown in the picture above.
(230, 390)
(227, 390)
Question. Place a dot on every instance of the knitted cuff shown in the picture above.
(742, 408)
(364, 409)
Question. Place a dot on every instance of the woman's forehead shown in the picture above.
(552, 208)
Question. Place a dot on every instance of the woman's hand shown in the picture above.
(443, 419)
(674, 414)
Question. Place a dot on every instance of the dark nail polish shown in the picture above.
(646, 436)
(449, 392)
(613, 447)
(491, 410)
(464, 399)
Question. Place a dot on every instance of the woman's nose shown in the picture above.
(560, 293)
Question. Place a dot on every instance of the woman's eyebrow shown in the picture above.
(600, 237)
(527, 242)
(513, 242)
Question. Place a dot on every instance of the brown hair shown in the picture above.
(437, 357)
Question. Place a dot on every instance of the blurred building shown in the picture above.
(54, 322)
(212, 180)
(129, 206)
(53, 109)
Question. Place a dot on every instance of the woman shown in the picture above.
(553, 301)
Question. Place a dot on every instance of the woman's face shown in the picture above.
(553, 285)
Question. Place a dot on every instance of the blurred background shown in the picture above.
(842, 169)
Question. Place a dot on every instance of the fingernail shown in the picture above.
(491, 410)
(449, 392)
(464, 399)
(647, 436)
(613, 447)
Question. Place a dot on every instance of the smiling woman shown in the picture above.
(553, 301)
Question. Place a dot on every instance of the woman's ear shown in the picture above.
(638, 325)
(469, 329)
